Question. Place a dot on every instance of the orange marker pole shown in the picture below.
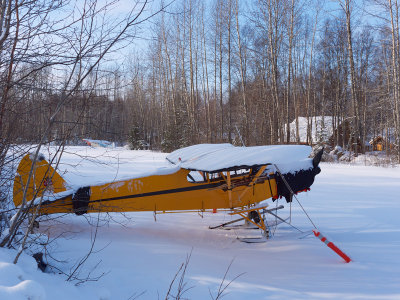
(332, 246)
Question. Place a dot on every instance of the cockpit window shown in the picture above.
(199, 176)
(196, 176)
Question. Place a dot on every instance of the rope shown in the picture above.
(293, 194)
(276, 217)
(290, 214)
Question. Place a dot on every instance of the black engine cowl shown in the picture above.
(299, 181)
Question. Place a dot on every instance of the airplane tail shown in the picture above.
(44, 179)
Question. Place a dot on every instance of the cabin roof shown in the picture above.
(224, 157)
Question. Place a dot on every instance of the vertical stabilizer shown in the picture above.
(44, 179)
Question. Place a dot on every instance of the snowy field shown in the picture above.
(356, 207)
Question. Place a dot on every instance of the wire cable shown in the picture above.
(293, 194)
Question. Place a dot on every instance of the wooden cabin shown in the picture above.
(379, 143)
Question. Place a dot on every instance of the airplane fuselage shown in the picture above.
(163, 193)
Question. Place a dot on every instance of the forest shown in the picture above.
(194, 71)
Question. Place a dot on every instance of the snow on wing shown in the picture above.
(219, 157)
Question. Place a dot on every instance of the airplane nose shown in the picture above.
(317, 170)
(317, 158)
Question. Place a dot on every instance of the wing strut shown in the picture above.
(250, 185)
(253, 215)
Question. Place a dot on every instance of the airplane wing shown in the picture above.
(225, 157)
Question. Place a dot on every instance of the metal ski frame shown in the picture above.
(241, 219)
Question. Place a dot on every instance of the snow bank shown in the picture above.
(18, 281)
(374, 158)
(24, 281)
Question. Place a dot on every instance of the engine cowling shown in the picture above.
(299, 181)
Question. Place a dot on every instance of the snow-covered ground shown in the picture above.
(356, 207)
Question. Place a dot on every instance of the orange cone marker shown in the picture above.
(332, 246)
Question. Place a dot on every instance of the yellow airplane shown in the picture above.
(204, 177)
